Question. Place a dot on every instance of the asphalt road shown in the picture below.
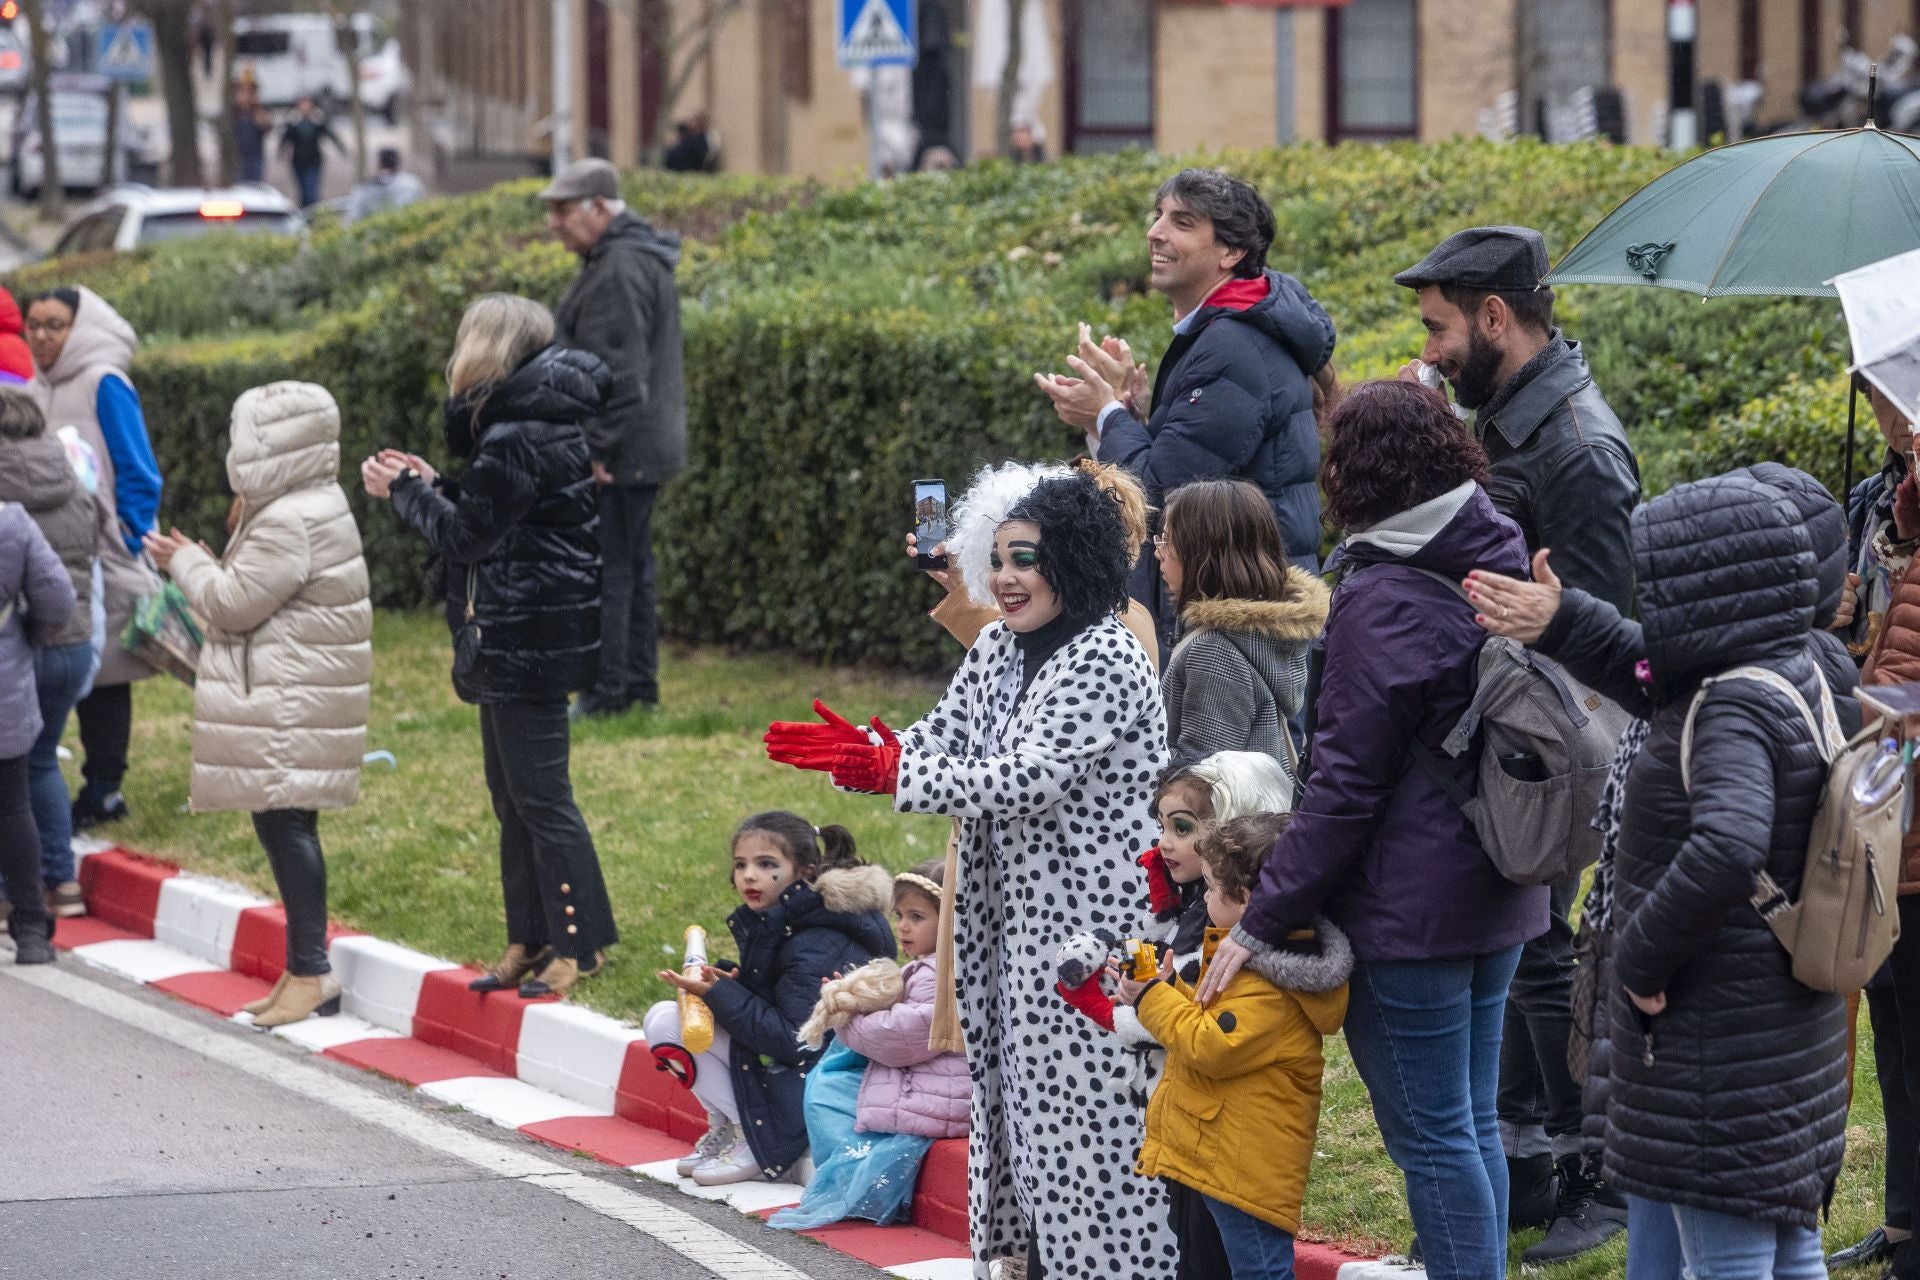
(144, 1138)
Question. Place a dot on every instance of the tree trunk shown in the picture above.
(53, 201)
(173, 55)
(229, 150)
(349, 44)
(1009, 78)
(685, 48)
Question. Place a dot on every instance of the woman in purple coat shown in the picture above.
(1377, 846)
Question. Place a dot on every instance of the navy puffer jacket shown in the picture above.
(1734, 1098)
(834, 925)
(522, 523)
(1232, 400)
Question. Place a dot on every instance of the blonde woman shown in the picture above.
(515, 532)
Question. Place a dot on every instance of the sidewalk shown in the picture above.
(560, 1074)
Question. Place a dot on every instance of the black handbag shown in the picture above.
(466, 641)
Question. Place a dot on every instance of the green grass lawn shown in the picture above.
(415, 860)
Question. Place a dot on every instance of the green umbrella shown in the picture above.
(1772, 216)
(1778, 215)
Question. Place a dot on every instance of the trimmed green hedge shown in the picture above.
(842, 342)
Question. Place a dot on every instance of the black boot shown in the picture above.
(1532, 1192)
(1874, 1248)
(1589, 1214)
(32, 940)
(92, 808)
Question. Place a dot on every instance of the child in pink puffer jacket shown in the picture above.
(879, 1096)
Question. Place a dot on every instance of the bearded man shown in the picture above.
(1562, 470)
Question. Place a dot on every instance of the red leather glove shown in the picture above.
(873, 767)
(806, 745)
(1089, 999)
(1163, 895)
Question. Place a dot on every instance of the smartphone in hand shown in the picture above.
(929, 522)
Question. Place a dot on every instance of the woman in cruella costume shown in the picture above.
(1045, 746)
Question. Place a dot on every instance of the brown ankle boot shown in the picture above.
(511, 969)
(559, 976)
(302, 998)
(265, 1002)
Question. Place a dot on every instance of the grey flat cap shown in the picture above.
(1482, 258)
(583, 179)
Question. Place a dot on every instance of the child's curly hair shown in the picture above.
(1234, 850)
(1083, 546)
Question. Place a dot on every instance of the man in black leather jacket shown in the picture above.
(1561, 468)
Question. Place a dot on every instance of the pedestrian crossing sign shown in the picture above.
(124, 52)
(878, 33)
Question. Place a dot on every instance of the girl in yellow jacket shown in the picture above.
(1236, 1110)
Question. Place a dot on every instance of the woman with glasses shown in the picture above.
(82, 351)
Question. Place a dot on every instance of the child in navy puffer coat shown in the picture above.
(810, 909)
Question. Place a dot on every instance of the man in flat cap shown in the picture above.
(624, 308)
(1562, 470)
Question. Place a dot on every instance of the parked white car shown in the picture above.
(131, 215)
(80, 131)
(297, 55)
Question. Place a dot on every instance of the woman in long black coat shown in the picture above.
(1727, 1102)
(516, 536)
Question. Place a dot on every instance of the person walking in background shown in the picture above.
(83, 349)
(36, 596)
(692, 151)
(1377, 846)
(390, 187)
(1561, 469)
(624, 308)
(300, 142)
(515, 535)
(37, 472)
(280, 703)
(251, 128)
(1235, 395)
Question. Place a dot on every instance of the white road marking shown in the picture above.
(701, 1243)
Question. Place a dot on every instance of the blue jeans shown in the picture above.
(1257, 1249)
(307, 178)
(1425, 1037)
(1669, 1240)
(60, 673)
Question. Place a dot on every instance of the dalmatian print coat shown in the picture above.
(1053, 800)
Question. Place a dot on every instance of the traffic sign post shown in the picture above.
(123, 52)
(873, 34)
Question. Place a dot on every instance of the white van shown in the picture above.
(296, 55)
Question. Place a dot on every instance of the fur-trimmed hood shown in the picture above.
(1323, 962)
(854, 889)
(1300, 617)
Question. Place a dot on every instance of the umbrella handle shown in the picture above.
(1846, 463)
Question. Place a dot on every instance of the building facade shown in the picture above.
(1102, 74)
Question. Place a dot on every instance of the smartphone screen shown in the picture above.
(929, 521)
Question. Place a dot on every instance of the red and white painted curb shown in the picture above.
(561, 1074)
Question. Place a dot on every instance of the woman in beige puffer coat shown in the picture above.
(280, 706)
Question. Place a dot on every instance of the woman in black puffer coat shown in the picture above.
(516, 536)
(1727, 1092)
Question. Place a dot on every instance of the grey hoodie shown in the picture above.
(624, 308)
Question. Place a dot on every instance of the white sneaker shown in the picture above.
(800, 1172)
(714, 1143)
(737, 1164)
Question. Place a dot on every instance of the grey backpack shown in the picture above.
(1546, 742)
